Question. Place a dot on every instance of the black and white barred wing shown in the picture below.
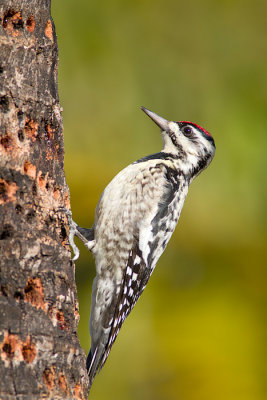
(131, 289)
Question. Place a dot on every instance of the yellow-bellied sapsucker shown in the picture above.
(134, 220)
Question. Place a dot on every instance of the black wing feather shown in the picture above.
(131, 289)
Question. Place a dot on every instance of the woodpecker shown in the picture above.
(134, 220)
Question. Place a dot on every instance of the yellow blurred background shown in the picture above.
(199, 330)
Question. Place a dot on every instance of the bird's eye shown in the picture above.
(187, 131)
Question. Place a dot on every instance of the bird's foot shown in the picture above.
(72, 233)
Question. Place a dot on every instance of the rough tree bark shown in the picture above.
(40, 355)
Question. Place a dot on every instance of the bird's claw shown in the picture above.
(72, 233)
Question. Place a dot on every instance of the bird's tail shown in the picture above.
(91, 367)
(94, 362)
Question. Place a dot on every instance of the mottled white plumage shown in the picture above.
(135, 218)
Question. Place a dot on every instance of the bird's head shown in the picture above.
(187, 141)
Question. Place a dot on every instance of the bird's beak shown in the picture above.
(161, 122)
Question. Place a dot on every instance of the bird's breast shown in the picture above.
(128, 203)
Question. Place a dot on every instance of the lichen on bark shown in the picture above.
(40, 354)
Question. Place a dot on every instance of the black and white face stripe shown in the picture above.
(186, 128)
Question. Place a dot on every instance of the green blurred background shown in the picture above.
(199, 330)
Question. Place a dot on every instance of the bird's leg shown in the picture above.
(73, 231)
(86, 235)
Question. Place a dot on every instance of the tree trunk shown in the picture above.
(40, 355)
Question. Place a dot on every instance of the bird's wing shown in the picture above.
(131, 290)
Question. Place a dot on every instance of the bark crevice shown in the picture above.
(40, 354)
